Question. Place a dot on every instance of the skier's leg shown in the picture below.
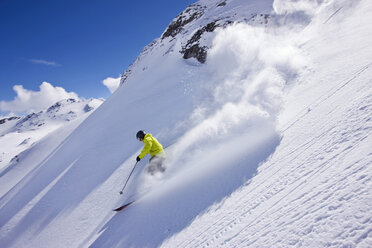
(156, 164)
(151, 168)
(159, 165)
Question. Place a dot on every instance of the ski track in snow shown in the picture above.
(307, 194)
(315, 191)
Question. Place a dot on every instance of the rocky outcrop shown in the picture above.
(196, 51)
(57, 106)
(191, 33)
(193, 12)
(193, 47)
(221, 4)
(2, 121)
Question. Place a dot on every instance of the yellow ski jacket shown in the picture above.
(152, 146)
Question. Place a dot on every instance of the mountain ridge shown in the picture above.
(19, 133)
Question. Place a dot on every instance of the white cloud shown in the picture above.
(111, 83)
(32, 101)
(44, 62)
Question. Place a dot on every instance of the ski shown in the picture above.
(122, 207)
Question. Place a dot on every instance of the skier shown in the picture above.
(155, 149)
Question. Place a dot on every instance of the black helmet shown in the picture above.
(140, 134)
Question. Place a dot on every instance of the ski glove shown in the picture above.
(138, 159)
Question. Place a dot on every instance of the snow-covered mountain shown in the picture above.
(264, 108)
(191, 33)
(19, 133)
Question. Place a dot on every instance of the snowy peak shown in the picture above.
(62, 111)
(2, 121)
(193, 12)
(19, 133)
(198, 22)
(191, 33)
(70, 109)
(57, 106)
(197, 16)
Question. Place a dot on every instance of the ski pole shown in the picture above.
(121, 192)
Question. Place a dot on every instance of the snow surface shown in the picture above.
(268, 142)
(19, 136)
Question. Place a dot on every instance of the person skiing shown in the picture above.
(155, 149)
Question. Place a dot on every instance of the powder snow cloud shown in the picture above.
(32, 101)
(308, 7)
(234, 123)
(248, 68)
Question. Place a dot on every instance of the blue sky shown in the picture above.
(76, 44)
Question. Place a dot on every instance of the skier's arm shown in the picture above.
(146, 149)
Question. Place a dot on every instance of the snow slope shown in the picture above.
(26, 141)
(18, 134)
(267, 139)
(315, 191)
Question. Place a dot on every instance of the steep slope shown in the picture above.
(315, 191)
(212, 92)
(76, 186)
